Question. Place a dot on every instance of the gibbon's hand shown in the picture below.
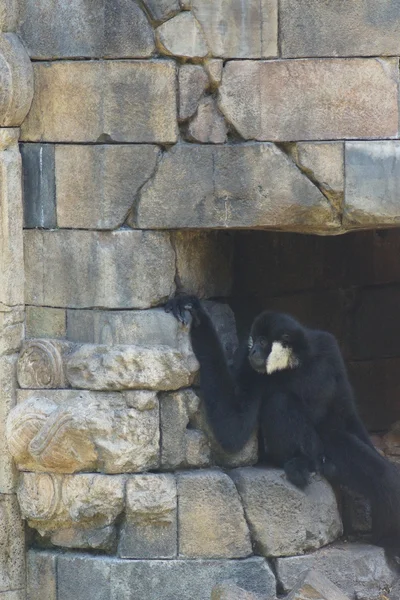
(181, 306)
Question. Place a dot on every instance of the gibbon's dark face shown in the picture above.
(277, 342)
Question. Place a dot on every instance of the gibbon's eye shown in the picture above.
(263, 342)
(250, 343)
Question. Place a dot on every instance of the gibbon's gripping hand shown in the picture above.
(181, 306)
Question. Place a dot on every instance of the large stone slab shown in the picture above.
(210, 518)
(359, 570)
(81, 101)
(41, 575)
(39, 195)
(12, 545)
(334, 28)
(97, 185)
(133, 269)
(372, 183)
(45, 322)
(248, 186)
(80, 29)
(239, 29)
(16, 81)
(283, 519)
(311, 99)
(156, 579)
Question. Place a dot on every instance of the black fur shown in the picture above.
(306, 414)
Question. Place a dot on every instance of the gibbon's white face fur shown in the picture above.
(280, 358)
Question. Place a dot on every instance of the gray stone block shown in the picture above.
(315, 585)
(41, 575)
(82, 577)
(12, 545)
(39, 196)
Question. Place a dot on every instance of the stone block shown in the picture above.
(311, 99)
(211, 522)
(9, 15)
(182, 36)
(40, 364)
(12, 545)
(45, 322)
(67, 431)
(208, 126)
(239, 29)
(161, 10)
(313, 28)
(8, 385)
(150, 527)
(41, 575)
(79, 576)
(214, 68)
(73, 510)
(16, 81)
(358, 570)
(193, 82)
(39, 186)
(59, 268)
(97, 185)
(323, 163)
(372, 180)
(81, 101)
(12, 328)
(315, 585)
(77, 29)
(283, 519)
(14, 595)
(230, 591)
(246, 186)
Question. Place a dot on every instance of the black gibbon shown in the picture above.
(291, 383)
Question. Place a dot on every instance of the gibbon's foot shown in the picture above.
(298, 472)
(181, 305)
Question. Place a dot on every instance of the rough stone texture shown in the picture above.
(372, 180)
(97, 185)
(230, 591)
(68, 431)
(9, 15)
(16, 81)
(134, 269)
(156, 579)
(39, 185)
(204, 262)
(8, 384)
(45, 322)
(239, 29)
(313, 28)
(315, 585)
(82, 101)
(214, 68)
(182, 36)
(76, 511)
(40, 364)
(210, 518)
(359, 570)
(14, 595)
(150, 527)
(208, 126)
(254, 185)
(12, 545)
(57, 29)
(311, 99)
(161, 10)
(284, 520)
(96, 367)
(193, 82)
(41, 576)
(323, 162)
(12, 328)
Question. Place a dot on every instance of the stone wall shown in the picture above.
(155, 128)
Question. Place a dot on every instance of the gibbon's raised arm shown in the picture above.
(231, 399)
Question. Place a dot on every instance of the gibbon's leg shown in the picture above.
(232, 400)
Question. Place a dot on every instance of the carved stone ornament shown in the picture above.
(40, 366)
(16, 80)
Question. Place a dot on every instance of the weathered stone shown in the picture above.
(12, 545)
(210, 519)
(161, 10)
(103, 538)
(45, 322)
(41, 575)
(208, 126)
(81, 101)
(359, 570)
(9, 15)
(230, 591)
(14, 595)
(239, 29)
(130, 367)
(8, 385)
(39, 185)
(16, 81)
(71, 508)
(150, 527)
(182, 36)
(12, 328)
(312, 28)
(323, 162)
(156, 579)
(214, 68)
(11, 259)
(193, 82)
(311, 99)
(315, 585)
(40, 364)
(253, 185)
(77, 29)
(204, 262)
(372, 180)
(283, 519)
(134, 269)
(97, 185)
(68, 431)
(181, 445)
